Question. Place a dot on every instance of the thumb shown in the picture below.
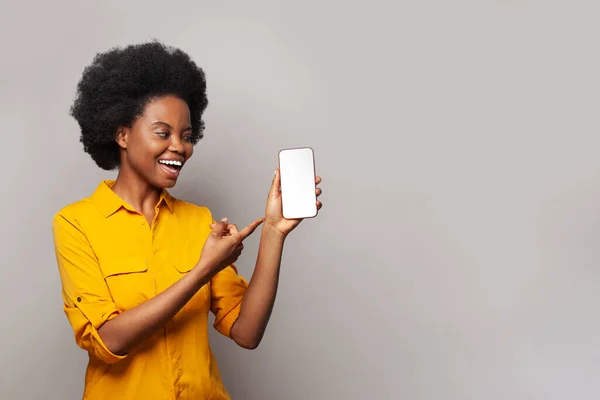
(220, 227)
(276, 184)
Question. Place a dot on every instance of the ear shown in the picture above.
(121, 137)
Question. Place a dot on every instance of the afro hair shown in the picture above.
(115, 89)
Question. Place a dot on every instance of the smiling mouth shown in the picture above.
(173, 166)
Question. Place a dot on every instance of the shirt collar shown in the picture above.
(108, 202)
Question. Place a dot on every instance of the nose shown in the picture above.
(176, 146)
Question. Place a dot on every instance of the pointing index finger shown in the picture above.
(247, 231)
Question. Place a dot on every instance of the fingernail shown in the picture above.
(224, 219)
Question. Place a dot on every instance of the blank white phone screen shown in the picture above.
(297, 169)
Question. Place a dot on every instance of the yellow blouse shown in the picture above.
(110, 260)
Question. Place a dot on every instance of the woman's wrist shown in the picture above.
(201, 273)
(273, 233)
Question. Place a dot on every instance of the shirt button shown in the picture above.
(79, 299)
(142, 222)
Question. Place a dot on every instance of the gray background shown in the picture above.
(457, 253)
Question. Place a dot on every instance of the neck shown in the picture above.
(136, 191)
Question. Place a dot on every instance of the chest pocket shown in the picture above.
(129, 282)
(200, 302)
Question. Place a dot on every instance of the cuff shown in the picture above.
(102, 352)
(86, 329)
(225, 324)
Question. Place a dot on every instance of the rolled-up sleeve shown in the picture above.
(87, 300)
(227, 290)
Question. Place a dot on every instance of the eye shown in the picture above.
(163, 135)
(187, 138)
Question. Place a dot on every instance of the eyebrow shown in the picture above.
(169, 126)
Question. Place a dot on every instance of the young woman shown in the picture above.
(140, 269)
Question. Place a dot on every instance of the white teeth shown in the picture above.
(171, 162)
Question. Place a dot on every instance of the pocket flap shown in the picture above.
(184, 267)
(123, 266)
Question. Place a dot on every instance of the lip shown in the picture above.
(171, 174)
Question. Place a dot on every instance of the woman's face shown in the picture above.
(158, 144)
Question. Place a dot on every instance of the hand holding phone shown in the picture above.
(293, 194)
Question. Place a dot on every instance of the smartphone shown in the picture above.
(298, 186)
